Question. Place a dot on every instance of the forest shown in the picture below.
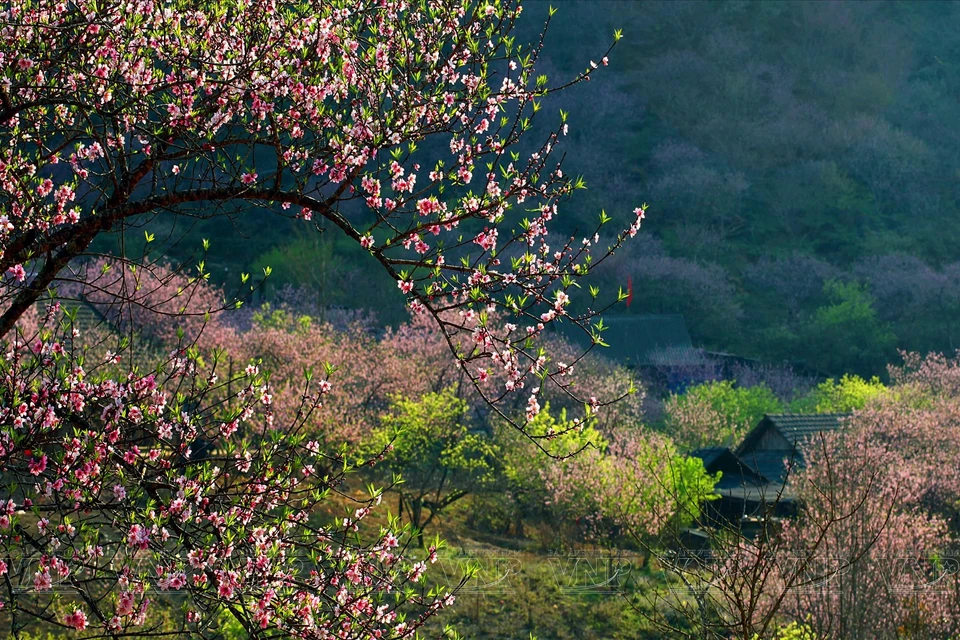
(318, 319)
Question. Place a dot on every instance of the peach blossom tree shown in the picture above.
(401, 124)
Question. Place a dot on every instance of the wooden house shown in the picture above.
(754, 485)
(745, 494)
(775, 446)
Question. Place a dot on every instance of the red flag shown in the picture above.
(629, 290)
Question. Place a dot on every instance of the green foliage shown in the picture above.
(692, 486)
(632, 484)
(432, 435)
(554, 597)
(522, 459)
(792, 631)
(717, 413)
(267, 317)
(335, 271)
(434, 451)
(229, 628)
(832, 396)
(846, 334)
(524, 463)
(739, 405)
(647, 488)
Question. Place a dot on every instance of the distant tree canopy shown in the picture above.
(781, 146)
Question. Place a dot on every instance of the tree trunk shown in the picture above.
(416, 514)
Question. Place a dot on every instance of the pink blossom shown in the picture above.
(487, 239)
(125, 603)
(138, 537)
(41, 580)
(76, 620)
(37, 467)
(17, 272)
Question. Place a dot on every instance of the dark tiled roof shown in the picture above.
(797, 428)
(641, 339)
(735, 472)
(772, 465)
(767, 493)
(709, 455)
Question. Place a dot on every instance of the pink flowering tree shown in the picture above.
(880, 572)
(156, 111)
(870, 553)
(887, 569)
(743, 583)
(368, 371)
(107, 507)
(397, 124)
(165, 305)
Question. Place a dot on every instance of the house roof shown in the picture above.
(641, 339)
(795, 428)
(761, 494)
(798, 427)
(709, 455)
(735, 472)
(772, 466)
